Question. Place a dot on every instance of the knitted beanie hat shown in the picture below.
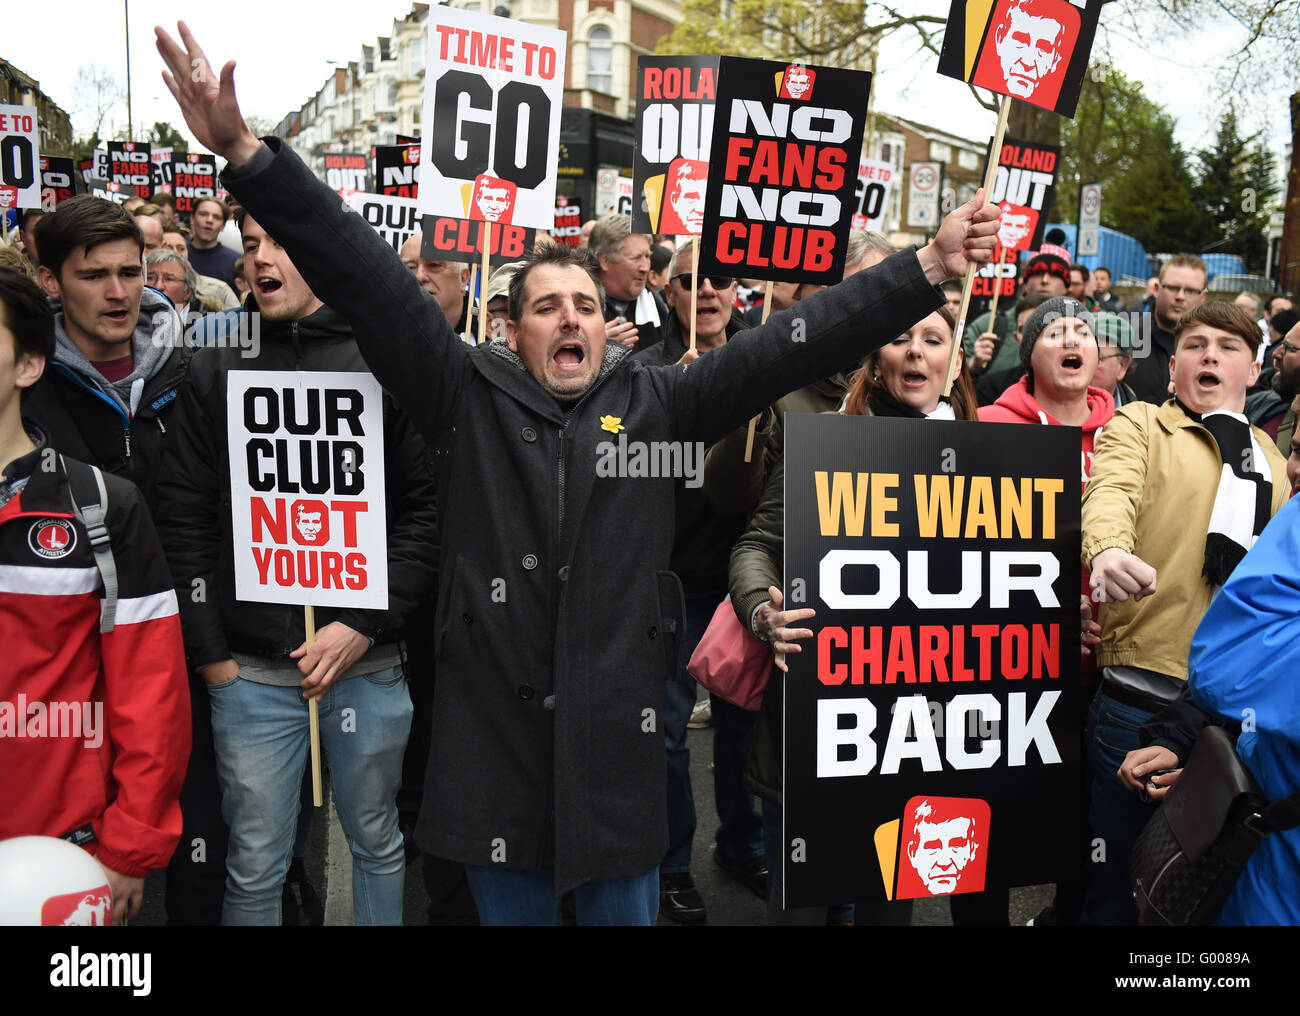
(1044, 314)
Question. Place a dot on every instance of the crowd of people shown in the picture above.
(519, 712)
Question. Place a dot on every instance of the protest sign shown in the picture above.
(108, 190)
(1023, 185)
(871, 199)
(1035, 50)
(997, 277)
(448, 239)
(1089, 219)
(397, 170)
(674, 129)
(162, 168)
(923, 179)
(194, 176)
(307, 488)
(87, 169)
(394, 219)
(568, 221)
(20, 141)
(780, 196)
(346, 171)
(58, 181)
(130, 165)
(493, 91)
(931, 727)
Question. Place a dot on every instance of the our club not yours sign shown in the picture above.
(307, 488)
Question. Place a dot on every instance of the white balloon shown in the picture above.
(48, 881)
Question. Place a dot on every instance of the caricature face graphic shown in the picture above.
(1017, 226)
(310, 523)
(1028, 49)
(492, 201)
(797, 82)
(684, 205)
(687, 198)
(940, 852)
(944, 846)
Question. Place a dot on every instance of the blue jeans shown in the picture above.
(262, 743)
(1116, 814)
(506, 897)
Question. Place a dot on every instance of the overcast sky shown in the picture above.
(282, 49)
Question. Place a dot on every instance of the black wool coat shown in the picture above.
(557, 618)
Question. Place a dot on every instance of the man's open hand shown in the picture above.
(771, 623)
(208, 104)
(966, 236)
(335, 649)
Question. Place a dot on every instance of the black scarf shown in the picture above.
(884, 404)
(1244, 498)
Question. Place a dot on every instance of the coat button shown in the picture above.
(652, 632)
(528, 434)
(530, 561)
(564, 573)
(526, 692)
(466, 618)
(548, 703)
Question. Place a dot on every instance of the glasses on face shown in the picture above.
(1108, 356)
(1289, 348)
(718, 282)
(158, 280)
(1181, 290)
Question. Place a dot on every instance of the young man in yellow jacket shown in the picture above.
(1178, 494)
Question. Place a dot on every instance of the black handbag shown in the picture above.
(1190, 855)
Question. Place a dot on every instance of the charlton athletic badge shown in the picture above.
(52, 538)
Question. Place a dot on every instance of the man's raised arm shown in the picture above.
(401, 331)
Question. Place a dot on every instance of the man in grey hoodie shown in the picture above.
(120, 354)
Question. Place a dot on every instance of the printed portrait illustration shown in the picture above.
(1027, 50)
(797, 82)
(683, 202)
(493, 199)
(1017, 226)
(942, 849)
(311, 523)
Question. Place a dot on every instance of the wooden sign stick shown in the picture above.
(753, 424)
(695, 285)
(482, 284)
(313, 717)
(968, 282)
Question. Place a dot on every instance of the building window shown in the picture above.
(600, 60)
(968, 160)
(940, 152)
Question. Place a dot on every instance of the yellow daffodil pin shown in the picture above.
(613, 424)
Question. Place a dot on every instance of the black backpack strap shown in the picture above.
(1283, 814)
(90, 505)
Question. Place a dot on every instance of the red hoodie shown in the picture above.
(1017, 405)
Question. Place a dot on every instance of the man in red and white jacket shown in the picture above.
(94, 725)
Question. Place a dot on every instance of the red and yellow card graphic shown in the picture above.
(1033, 50)
(942, 850)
